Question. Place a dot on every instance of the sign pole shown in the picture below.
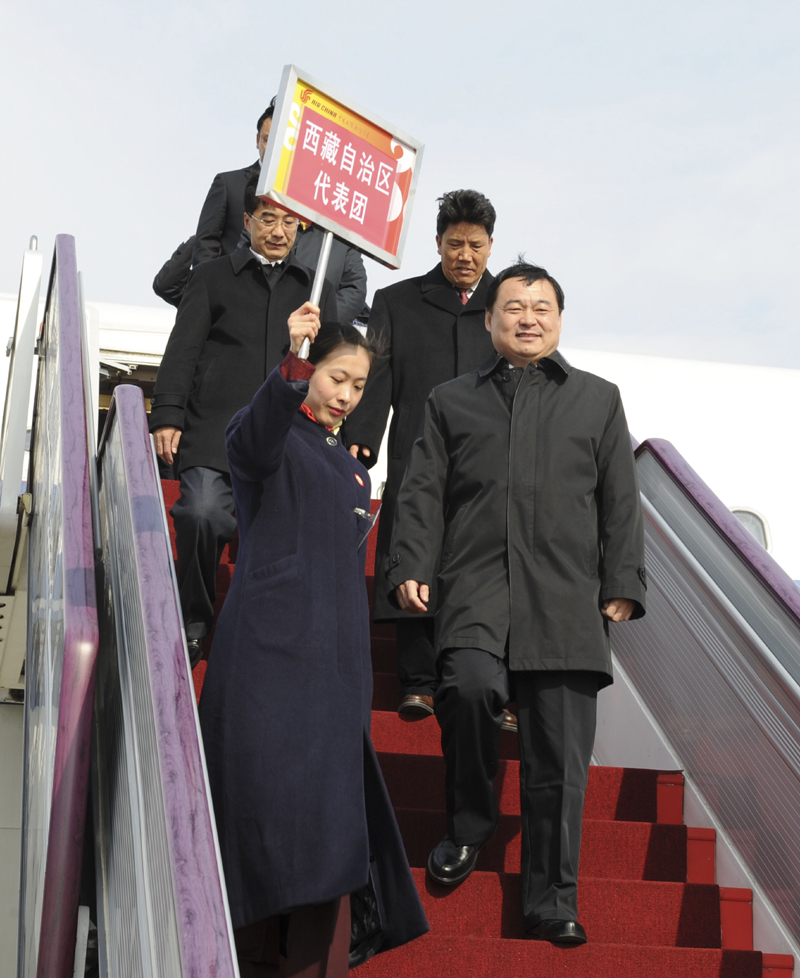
(319, 279)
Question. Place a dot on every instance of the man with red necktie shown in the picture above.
(433, 330)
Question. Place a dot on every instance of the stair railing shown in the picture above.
(62, 638)
(14, 506)
(162, 904)
(716, 662)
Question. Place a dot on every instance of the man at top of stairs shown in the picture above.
(229, 335)
(523, 480)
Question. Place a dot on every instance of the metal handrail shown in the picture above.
(15, 412)
(716, 665)
(725, 524)
(158, 856)
(62, 638)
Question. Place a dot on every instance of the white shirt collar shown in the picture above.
(471, 288)
(265, 261)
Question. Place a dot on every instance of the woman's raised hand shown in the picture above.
(303, 325)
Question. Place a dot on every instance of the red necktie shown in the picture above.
(464, 296)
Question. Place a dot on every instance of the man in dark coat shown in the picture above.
(220, 225)
(523, 479)
(229, 333)
(433, 329)
(220, 232)
(171, 281)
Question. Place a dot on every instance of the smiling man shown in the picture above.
(434, 331)
(520, 497)
(229, 333)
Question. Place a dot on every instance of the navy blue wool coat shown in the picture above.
(301, 806)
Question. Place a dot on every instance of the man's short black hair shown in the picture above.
(530, 274)
(268, 113)
(467, 206)
(251, 200)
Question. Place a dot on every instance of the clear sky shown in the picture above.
(645, 153)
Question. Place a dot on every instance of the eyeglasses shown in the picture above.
(270, 223)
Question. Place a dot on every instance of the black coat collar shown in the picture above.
(439, 292)
(556, 359)
(244, 256)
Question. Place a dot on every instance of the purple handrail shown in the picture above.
(747, 548)
(76, 695)
(202, 916)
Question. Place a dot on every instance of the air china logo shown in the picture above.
(306, 94)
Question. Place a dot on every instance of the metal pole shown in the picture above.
(319, 279)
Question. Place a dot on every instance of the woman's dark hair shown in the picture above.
(333, 335)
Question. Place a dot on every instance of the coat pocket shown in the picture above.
(274, 611)
(275, 570)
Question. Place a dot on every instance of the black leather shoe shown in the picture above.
(509, 722)
(566, 932)
(450, 864)
(195, 647)
(413, 707)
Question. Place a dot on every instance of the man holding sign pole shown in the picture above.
(229, 334)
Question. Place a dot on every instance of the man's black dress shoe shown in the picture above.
(195, 647)
(567, 932)
(450, 864)
(509, 722)
(414, 707)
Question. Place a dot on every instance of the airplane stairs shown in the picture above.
(648, 897)
(704, 718)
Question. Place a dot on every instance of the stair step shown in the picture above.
(393, 734)
(386, 691)
(612, 911)
(632, 865)
(437, 956)
(382, 629)
(609, 850)
(384, 654)
(617, 794)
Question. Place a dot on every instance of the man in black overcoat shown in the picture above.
(433, 328)
(219, 227)
(173, 276)
(230, 332)
(220, 232)
(523, 479)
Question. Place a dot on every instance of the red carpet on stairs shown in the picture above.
(642, 918)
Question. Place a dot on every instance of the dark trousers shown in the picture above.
(317, 943)
(557, 714)
(204, 524)
(416, 659)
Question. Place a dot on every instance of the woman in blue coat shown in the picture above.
(303, 815)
